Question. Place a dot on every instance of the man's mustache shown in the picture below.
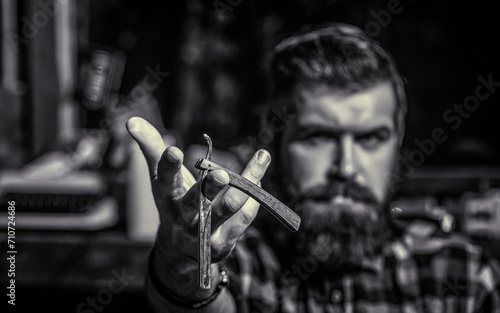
(347, 189)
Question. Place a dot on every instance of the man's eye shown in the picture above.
(315, 139)
(370, 141)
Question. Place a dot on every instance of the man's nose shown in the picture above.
(345, 164)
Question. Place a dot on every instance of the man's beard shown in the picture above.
(342, 224)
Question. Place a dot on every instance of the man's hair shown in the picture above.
(335, 55)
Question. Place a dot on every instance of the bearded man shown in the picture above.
(347, 104)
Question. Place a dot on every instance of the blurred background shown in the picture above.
(72, 72)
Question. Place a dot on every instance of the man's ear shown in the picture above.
(403, 90)
(401, 136)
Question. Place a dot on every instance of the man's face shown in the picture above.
(342, 136)
(337, 154)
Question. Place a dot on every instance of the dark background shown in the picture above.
(217, 57)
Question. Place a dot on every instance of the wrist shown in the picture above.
(179, 283)
(221, 302)
(192, 304)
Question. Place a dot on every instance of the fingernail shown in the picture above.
(216, 181)
(171, 157)
(263, 156)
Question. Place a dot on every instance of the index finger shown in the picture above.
(174, 179)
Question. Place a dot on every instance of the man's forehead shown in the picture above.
(326, 106)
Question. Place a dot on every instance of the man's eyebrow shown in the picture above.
(335, 131)
(382, 129)
(305, 130)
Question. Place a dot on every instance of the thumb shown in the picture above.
(149, 140)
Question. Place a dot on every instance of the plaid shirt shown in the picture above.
(425, 270)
